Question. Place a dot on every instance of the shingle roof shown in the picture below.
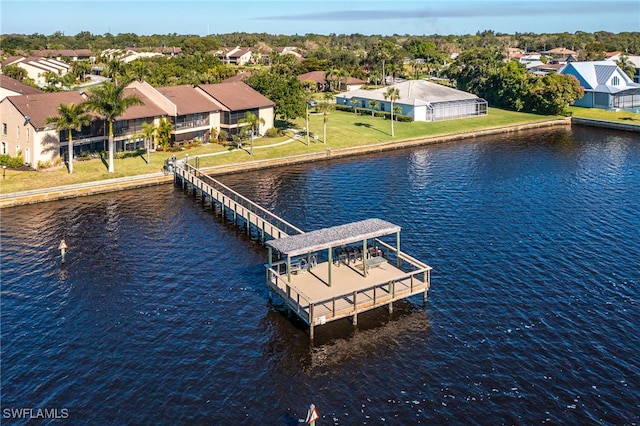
(40, 106)
(188, 99)
(16, 86)
(236, 96)
(333, 237)
(149, 109)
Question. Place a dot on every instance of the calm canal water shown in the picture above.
(161, 315)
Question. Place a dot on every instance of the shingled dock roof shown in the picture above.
(333, 237)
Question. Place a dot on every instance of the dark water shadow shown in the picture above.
(340, 341)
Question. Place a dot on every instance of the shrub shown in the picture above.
(129, 154)
(49, 164)
(273, 132)
(9, 161)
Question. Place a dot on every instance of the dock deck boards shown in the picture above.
(307, 292)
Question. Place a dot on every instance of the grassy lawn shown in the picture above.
(601, 114)
(344, 129)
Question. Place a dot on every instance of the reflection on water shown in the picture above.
(340, 341)
(161, 312)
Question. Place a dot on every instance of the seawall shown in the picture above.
(119, 184)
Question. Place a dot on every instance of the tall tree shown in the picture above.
(285, 91)
(163, 133)
(149, 132)
(355, 103)
(325, 108)
(70, 117)
(80, 69)
(253, 122)
(373, 104)
(472, 68)
(392, 94)
(138, 70)
(114, 69)
(626, 66)
(110, 101)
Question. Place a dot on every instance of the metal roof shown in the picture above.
(333, 237)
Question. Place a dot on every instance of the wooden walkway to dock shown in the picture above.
(322, 275)
(232, 204)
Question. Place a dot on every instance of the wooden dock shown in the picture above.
(233, 205)
(321, 275)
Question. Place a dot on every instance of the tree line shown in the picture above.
(480, 67)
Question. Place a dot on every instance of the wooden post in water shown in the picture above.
(311, 321)
(398, 260)
(355, 309)
(330, 263)
(364, 258)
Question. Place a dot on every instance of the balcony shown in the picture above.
(190, 125)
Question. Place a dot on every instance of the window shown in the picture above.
(27, 134)
(4, 147)
(615, 80)
(4, 129)
(17, 132)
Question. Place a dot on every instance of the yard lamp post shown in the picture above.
(4, 171)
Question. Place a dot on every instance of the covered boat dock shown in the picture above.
(337, 272)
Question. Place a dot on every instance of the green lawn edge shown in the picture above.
(344, 130)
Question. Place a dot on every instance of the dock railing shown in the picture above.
(187, 171)
(278, 281)
(416, 279)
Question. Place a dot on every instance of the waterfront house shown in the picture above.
(193, 113)
(421, 100)
(605, 85)
(23, 125)
(236, 99)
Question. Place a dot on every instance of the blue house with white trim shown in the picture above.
(605, 85)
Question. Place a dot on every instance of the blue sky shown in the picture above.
(202, 17)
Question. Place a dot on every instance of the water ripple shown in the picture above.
(161, 315)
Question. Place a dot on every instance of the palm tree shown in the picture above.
(138, 70)
(343, 75)
(373, 104)
(149, 132)
(114, 68)
(397, 109)
(110, 101)
(325, 108)
(309, 87)
(355, 103)
(52, 78)
(163, 132)
(80, 69)
(70, 117)
(392, 94)
(254, 122)
(626, 66)
(328, 76)
(375, 76)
